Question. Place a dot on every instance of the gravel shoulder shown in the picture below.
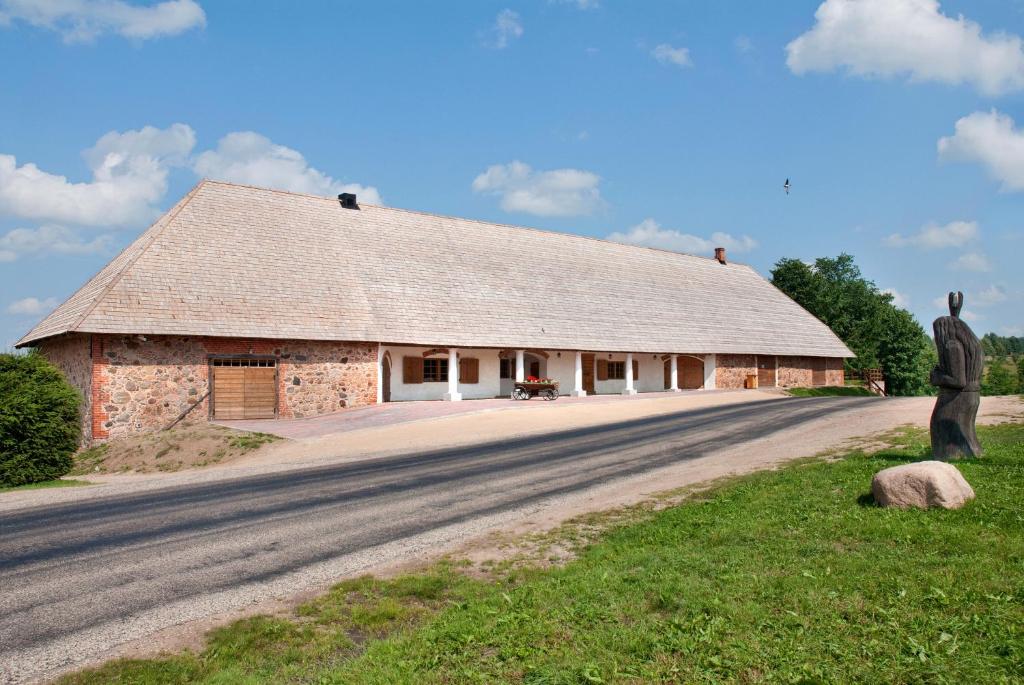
(393, 440)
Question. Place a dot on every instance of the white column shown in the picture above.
(675, 373)
(578, 390)
(630, 390)
(709, 372)
(380, 375)
(453, 394)
(520, 366)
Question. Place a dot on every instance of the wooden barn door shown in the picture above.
(244, 388)
(691, 373)
(588, 373)
(818, 376)
(766, 367)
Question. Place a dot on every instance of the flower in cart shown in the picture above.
(532, 379)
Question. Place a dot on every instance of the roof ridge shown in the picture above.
(472, 220)
(169, 216)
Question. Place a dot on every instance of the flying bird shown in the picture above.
(786, 186)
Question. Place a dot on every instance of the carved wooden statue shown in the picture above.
(958, 377)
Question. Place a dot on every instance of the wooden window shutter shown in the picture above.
(469, 370)
(636, 370)
(602, 369)
(412, 370)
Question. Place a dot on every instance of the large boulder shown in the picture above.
(923, 484)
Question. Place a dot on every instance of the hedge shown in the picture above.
(39, 421)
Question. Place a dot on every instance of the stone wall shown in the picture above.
(798, 372)
(70, 353)
(795, 372)
(732, 369)
(835, 373)
(143, 384)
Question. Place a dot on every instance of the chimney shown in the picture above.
(348, 201)
(720, 254)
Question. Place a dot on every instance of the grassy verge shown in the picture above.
(182, 447)
(832, 391)
(59, 483)
(786, 576)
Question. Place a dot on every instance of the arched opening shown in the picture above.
(690, 371)
(535, 365)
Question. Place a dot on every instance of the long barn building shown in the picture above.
(243, 302)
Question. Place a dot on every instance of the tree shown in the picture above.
(878, 332)
(39, 422)
(906, 355)
(999, 380)
(1020, 375)
(834, 291)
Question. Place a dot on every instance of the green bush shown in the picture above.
(39, 421)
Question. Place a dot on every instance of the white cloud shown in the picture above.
(250, 158)
(907, 37)
(31, 305)
(743, 44)
(559, 192)
(990, 139)
(967, 315)
(666, 54)
(580, 4)
(971, 261)
(85, 20)
(129, 178)
(1015, 331)
(953, 234)
(994, 294)
(49, 239)
(898, 298)
(507, 27)
(650, 233)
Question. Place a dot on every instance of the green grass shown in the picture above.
(59, 483)
(250, 441)
(792, 576)
(832, 391)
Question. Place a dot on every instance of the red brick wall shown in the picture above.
(73, 356)
(144, 384)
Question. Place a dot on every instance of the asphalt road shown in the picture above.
(78, 578)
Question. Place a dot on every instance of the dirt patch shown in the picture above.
(185, 447)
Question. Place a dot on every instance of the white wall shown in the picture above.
(561, 368)
(709, 371)
(489, 385)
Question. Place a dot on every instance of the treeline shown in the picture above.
(1004, 365)
(1004, 375)
(1002, 346)
(881, 334)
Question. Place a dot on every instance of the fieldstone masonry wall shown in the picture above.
(732, 369)
(793, 372)
(70, 354)
(142, 384)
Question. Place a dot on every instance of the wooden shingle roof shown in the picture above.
(237, 261)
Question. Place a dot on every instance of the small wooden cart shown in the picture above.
(524, 390)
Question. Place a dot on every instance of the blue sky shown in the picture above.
(899, 123)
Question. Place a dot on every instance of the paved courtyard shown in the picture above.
(406, 412)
